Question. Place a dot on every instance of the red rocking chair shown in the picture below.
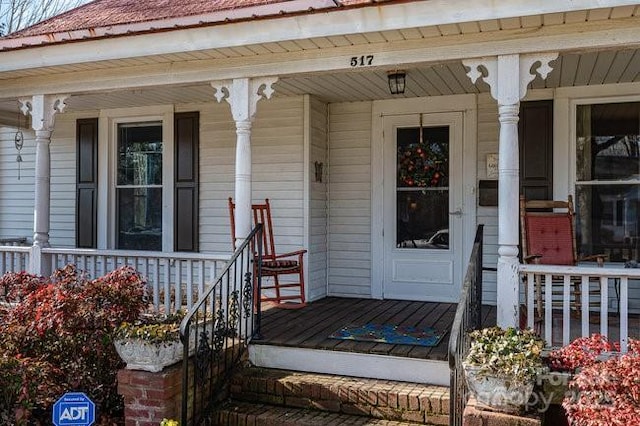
(548, 237)
(275, 265)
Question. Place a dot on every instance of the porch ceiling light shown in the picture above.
(397, 81)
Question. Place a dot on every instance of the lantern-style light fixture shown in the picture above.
(397, 80)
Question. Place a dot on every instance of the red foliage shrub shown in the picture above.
(582, 352)
(601, 392)
(606, 393)
(14, 286)
(60, 334)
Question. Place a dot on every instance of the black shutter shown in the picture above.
(87, 183)
(187, 128)
(535, 129)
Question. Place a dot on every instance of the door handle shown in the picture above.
(456, 213)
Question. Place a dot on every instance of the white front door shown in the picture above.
(423, 235)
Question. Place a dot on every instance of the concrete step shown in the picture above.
(373, 398)
(245, 413)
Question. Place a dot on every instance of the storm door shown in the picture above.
(422, 206)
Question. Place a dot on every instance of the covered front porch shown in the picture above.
(313, 126)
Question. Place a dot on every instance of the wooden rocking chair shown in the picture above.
(548, 238)
(275, 265)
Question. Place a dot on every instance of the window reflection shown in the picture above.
(608, 179)
(139, 186)
(422, 194)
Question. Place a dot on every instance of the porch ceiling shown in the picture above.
(570, 69)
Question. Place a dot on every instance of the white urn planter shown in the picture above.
(501, 367)
(145, 356)
(498, 393)
(140, 354)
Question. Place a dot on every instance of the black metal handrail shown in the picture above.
(468, 317)
(216, 331)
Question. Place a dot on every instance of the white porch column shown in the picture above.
(243, 95)
(42, 109)
(508, 76)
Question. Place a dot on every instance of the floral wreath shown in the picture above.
(422, 164)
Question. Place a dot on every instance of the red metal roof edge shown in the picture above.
(29, 31)
(243, 14)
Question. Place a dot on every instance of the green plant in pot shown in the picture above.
(502, 365)
(150, 343)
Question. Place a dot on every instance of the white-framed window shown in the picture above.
(607, 178)
(135, 162)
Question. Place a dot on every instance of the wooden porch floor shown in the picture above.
(310, 326)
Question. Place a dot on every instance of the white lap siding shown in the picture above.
(317, 265)
(16, 195)
(488, 135)
(63, 181)
(350, 199)
(277, 156)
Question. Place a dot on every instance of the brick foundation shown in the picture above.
(150, 397)
(475, 417)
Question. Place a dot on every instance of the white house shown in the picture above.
(142, 119)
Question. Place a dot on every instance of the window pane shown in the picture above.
(608, 141)
(139, 218)
(608, 220)
(422, 193)
(140, 154)
(423, 161)
(423, 219)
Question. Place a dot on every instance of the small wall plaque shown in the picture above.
(492, 166)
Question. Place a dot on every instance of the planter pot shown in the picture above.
(153, 357)
(498, 393)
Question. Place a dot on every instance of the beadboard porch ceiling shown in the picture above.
(570, 69)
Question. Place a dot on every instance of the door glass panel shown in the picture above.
(422, 188)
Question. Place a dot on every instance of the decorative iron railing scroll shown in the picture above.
(217, 330)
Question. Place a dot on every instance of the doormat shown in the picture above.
(388, 333)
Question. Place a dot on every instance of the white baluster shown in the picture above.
(584, 293)
(566, 310)
(624, 314)
(548, 308)
(604, 306)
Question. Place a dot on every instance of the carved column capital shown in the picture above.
(243, 95)
(43, 109)
(509, 75)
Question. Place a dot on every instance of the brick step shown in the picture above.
(245, 413)
(381, 399)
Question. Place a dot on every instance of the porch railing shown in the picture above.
(175, 280)
(596, 286)
(468, 317)
(14, 258)
(217, 330)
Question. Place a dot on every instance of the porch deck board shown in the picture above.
(311, 326)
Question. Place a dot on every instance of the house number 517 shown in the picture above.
(361, 61)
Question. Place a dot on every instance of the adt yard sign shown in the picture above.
(74, 409)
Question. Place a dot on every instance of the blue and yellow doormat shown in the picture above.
(388, 333)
